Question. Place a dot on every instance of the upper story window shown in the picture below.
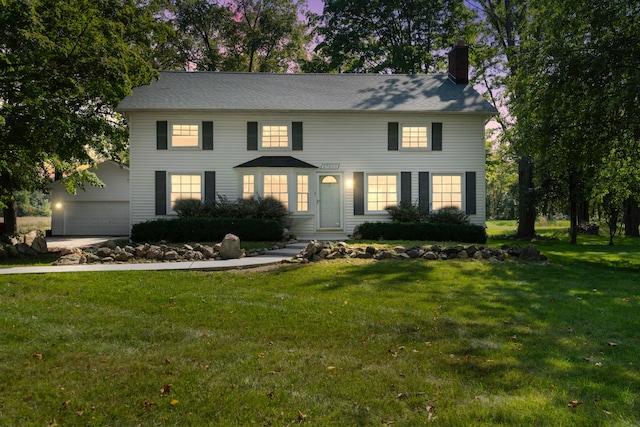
(185, 135)
(447, 192)
(275, 136)
(414, 136)
(382, 191)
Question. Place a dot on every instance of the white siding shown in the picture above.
(94, 210)
(356, 141)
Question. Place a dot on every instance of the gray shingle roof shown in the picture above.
(305, 92)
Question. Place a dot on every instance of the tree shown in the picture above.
(391, 36)
(501, 25)
(64, 66)
(244, 35)
(575, 91)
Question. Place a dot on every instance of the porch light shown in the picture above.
(349, 183)
(58, 205)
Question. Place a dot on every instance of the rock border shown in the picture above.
(327, 250)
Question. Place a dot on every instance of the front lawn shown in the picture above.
(348, 342)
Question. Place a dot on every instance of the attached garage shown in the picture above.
(94, 211)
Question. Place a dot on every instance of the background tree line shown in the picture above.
(563, 74)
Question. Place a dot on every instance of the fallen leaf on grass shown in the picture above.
(166, 389)
(38, 356)
(174, 402)
(79, 413)
(587, 358)
(612, 344)
(301, 416)
(599, 364)
(573, 404)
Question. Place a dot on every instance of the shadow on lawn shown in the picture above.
(510, 325)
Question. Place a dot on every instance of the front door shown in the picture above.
(329, 209)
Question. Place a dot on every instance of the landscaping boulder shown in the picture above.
(39, 244)
(24, 249)
(230, 247)
(30, 237)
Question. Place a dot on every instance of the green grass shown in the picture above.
(343, 343)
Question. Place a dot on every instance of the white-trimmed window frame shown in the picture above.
(170, 192)
(426, 125)
(367, 192)
(292, 186)
(274, 124)
(248, 185)
(447, 204)
(185, 123)
(300, 194)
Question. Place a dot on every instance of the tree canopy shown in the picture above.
(393, 36)
(576, 91)
(64, 66)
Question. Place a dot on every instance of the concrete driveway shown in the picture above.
(69, 242)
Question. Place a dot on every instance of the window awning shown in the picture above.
(276, 162)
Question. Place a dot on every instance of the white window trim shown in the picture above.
(415, 124)
(366, 190)
(292, 185)
(185, 122)
(170, 210)
(283, 124)
(463, 190)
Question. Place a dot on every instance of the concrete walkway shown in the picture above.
(271, 257)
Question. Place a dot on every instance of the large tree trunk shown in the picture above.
(573, 214)
(10, 214)
(631, 218)
(526, 202)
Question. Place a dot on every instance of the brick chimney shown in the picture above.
(459, 62)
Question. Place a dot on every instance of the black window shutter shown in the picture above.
(209, 186)
(436, 136)
(405, 188)
(296, 136)
(161, 135)
(207, 135)
(252, 136)
(423, 190)
(392, 136)
(358, 193)
(470, 186)
(161, 192)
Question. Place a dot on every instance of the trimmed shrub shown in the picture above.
(407, 212)
(206, 229)
(439, 232)
(189, 207)
(448, 215)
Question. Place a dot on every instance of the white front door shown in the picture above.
(329, 206)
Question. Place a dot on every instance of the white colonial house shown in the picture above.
(336, 149)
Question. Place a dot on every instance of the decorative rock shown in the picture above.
(170, 256)
(530, 253)
(39, 244)
(71, 259)
(122, 256)
(104, 252)
(30, 237)
(230, 247)
(24, 249)
(400, 249)
(429, 255)
(309, 251)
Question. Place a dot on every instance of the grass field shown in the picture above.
(344, 343)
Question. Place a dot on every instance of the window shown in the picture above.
(303, 193)
(382, 191)
(185, 187)
(184, 135)
(248, 186)
(414, 136)
(276, 186)
(447, 191)
(275, 136)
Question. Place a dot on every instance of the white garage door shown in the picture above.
(96, 218)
